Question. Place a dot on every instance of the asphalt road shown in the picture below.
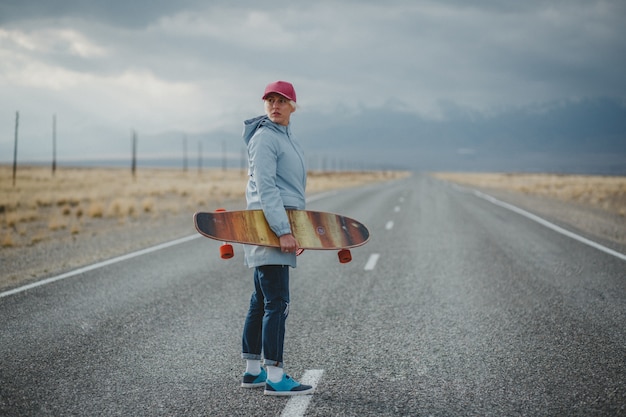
(456, 307)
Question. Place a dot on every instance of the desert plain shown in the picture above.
(53, 222)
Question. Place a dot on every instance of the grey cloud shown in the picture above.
(429, 59)
(112, 12)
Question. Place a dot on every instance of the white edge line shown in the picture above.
(99, 265)
(296, 406)
(549, 225)
(124, 257)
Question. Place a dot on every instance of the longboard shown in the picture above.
(314, 230)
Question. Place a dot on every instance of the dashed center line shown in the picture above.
(389, 225)
(371, 262)
(396, 209)
(296, 406)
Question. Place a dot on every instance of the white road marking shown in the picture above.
(371, 262)
(389, 225)
(99, 265)
(296, 406)
(549, 225)
(396, 209)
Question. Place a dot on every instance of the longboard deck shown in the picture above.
(312, 229)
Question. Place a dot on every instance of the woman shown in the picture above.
(276, 182)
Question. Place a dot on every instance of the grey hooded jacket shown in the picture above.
(276, 180)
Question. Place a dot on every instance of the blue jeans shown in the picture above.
(264, 329)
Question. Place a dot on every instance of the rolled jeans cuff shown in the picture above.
(268, 362)
(251, 356)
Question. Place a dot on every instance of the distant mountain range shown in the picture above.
(585, 136)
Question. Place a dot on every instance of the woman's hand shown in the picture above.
(288, 243)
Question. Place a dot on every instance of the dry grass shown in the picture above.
(322, 181)
(607, 193)
(76, 200)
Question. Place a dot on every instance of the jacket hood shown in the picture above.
(250, 127)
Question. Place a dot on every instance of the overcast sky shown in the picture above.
(106, 67)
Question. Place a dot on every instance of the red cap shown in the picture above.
(283, 88)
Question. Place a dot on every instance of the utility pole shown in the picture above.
(223, 155)
(54, 144)
(17, 120)
(199, 157)
(184, 153)
(133, 165)
(243, 161)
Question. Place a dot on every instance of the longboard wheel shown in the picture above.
(344, 256)
(226, 251)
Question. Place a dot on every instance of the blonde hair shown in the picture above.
(293, 104)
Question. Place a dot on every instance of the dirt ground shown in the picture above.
(78, 216)
(594, 206)
(601, 192)
(77, 201)
(52, 223)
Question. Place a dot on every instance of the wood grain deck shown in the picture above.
(312, 229)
